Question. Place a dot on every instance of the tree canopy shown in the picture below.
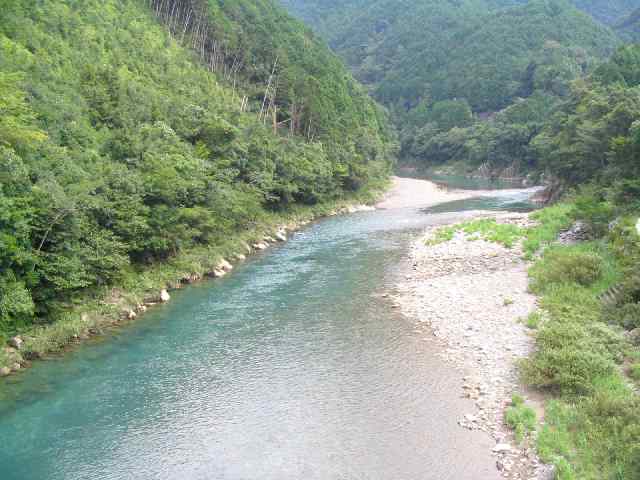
(120, 145)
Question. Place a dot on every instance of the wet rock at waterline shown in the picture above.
(164, 295)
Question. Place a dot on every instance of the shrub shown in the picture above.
(595, 213)
(568, 369)
(566, 265)
(626, 315)
(570, 302)
(634, 372)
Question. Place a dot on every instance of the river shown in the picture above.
(293, 367)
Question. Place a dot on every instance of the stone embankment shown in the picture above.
(472, 295)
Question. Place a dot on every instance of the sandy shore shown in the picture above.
(472, 295)
(412, 192)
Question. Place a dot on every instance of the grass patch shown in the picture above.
(490, 230)
(550, 222)
(485, 229)
(442, 235)
(521, 418)
(590, 264)
(533, 320)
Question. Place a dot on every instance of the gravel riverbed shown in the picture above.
(472, 296)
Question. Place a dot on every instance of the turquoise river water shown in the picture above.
(293, 367)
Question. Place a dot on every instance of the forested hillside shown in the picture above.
(606, 11)
(444, 64)
(122, 144)
(629, 26)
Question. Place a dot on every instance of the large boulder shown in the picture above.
(4, 371)
(16, 342)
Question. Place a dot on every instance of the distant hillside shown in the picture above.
(438, 64)
(629, 26)
(607, 11)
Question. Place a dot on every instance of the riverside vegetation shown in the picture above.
(134, 152)
(586, 331)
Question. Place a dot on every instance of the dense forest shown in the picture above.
(131, 131)
(440, 65)
(629, 26)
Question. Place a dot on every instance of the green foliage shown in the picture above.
(486, 229)
(427, 60)
(596, 437)
(628, 27)
(521, 418)
(591, 430)
(533, 320)
(120, 149)
(551, 221)
(490, 230)
(562, 265)
(634, 372)
(594, 212)
(608, 11)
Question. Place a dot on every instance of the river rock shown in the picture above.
(15, 367)
(634, 336)
(16, 342)
(240, 257)
(502, 448)
(218, 273)
(131, 315)
(260, 246)
(4, 371)
(164, 295)
(224, 266)
(281, 237)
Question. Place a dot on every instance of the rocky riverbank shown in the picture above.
(472, 296)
